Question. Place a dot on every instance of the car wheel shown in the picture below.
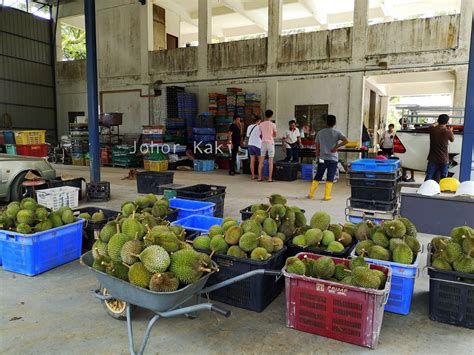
(17, 191)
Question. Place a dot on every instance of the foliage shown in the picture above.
(73, 42)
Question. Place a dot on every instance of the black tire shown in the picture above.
(115, 308)
(17, 191)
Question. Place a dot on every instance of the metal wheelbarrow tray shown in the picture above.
(164, 304)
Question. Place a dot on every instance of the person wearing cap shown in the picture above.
(438, 157)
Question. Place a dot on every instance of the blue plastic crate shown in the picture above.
(203, 165)
(375, 165)
(403, 284)
(307, 171)
(266, 169)
(32, 254)
(198, 223)
(9, 137)
(190, 207)
(204, 137)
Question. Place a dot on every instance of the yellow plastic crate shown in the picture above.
(352, 144)
(151, 165)
(30, 137)
(78, 161)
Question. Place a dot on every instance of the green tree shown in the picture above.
(73, 42)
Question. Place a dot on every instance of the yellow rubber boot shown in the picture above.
(312, 190)
(327, 192)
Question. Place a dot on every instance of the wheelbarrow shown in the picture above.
(163, 304)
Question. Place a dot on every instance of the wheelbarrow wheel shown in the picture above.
(115, 308)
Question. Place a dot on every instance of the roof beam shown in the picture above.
(237, 7)
(181, 11)
(315, 7)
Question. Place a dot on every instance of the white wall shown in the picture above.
(324, 91)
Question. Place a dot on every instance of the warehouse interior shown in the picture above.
(96, 86)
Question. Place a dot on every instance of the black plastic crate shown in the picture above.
(451, 298)
(98, 191)
(375, 175)
(380, 183)
(373, 205)
(294, 249)
(89, 227)
(286, 171)
(176, 164)
(172, 216)
(76, 182)
(254, 293)
(199, 191)
(149, 182)
(246, 166)
(202, 121)
(373, 193)
(246, 213)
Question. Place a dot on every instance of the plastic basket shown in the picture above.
(156, 166)
(374, 205)
(307, 171)
(57, 197)
(11, 149)
(32, 254)
(374, 193)
(254, 293)
(451, 297)
(190, 207)
(200, 191)
(75, 182)
(343, 312)
(375, 165)
(30, 137)
(403, 284)
(198, 223)
(33, 150)
(370, 175)
(8, 137)
(286, 171)
(203, 165)
(90, 227)
(149, 182)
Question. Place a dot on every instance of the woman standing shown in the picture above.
(254, 144)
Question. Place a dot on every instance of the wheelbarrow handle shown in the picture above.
(221, 311)
(102, 297)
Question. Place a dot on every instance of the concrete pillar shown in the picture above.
(465, 27)
(459, 97)
(356, 100)
(359, 32)
(272, 97)
(274, 32)
(205, 35)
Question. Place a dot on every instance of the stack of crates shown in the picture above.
(374, 186)
(7, 142)
(122, 155)
(187, 110)
(153, 134)
(31, 143)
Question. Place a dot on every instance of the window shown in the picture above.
(34, 8)
(311, 119)
(73, 42)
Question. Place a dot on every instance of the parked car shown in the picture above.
(13, 169)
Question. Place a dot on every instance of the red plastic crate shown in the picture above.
(33, 150)
(346, 313)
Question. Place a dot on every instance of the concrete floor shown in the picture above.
(58, 315)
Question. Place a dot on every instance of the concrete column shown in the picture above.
(359, 32)
(459, 97)
(272, 98)
(465, 27)
(356, 104)
(274, 32)
(205, 35)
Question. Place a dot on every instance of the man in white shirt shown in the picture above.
(387, 140)
(292, 143)
(254, 144)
